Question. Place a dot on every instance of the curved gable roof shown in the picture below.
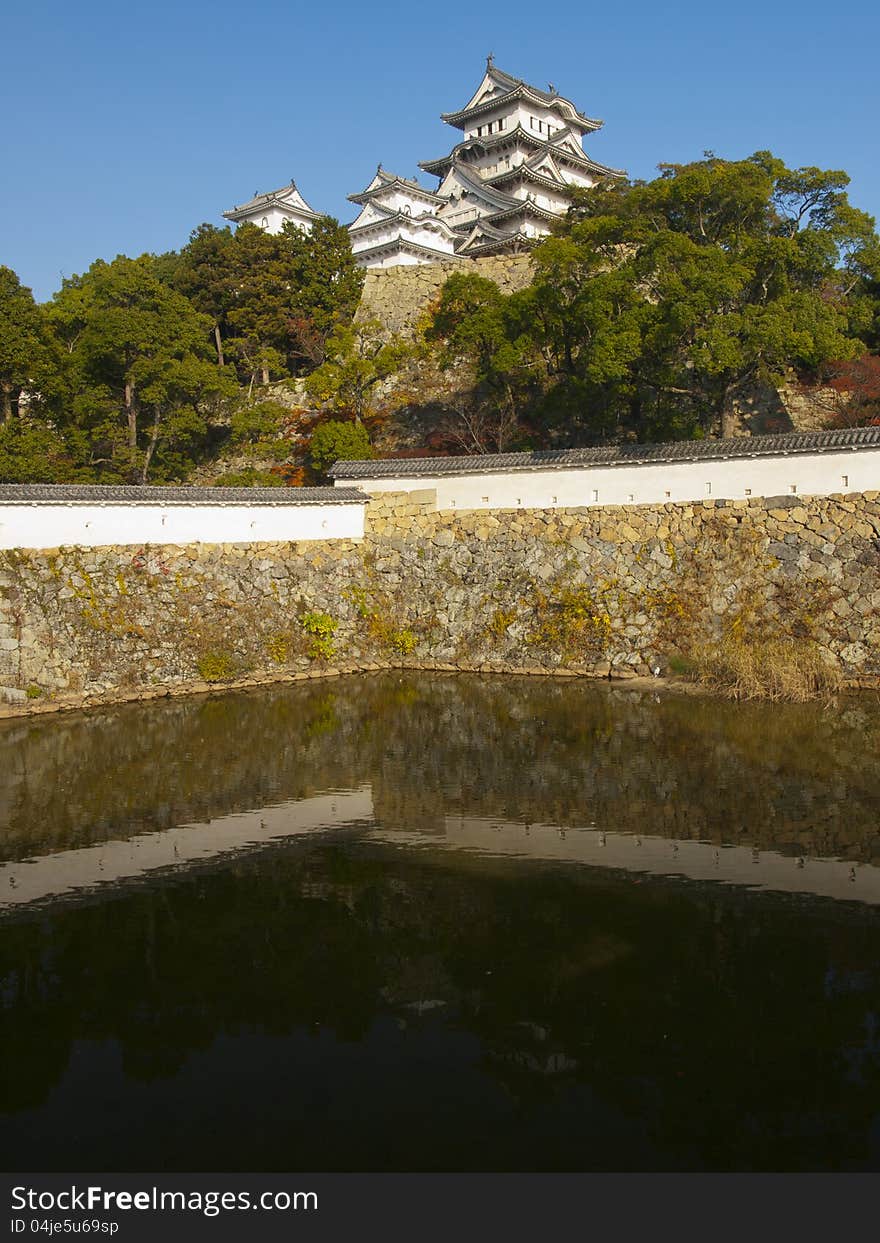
(287, 198)
(497, 87)
(382, 182)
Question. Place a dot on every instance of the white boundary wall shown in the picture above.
(49, 524)
(809, 474)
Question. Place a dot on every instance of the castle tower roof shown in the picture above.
(287, 199)
(498, 88)
(384, 183)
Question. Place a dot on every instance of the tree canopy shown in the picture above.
(133, 369)
(657, 310)
(22, 352)
(335, 441)
(658, 306)
(273, 299)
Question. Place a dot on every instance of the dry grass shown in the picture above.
(784, 668)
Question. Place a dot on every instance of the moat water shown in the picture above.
(412, 922)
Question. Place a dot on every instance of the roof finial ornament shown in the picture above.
(292, 184)
(551, 88)
(490, 61)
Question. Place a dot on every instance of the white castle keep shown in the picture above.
(500, 187)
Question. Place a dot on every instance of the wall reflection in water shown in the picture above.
(249, 966)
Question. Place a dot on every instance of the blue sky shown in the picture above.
(125, 126)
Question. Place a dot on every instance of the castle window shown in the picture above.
(844, 479)
(264, 223)
(501, 124)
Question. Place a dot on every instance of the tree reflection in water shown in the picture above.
(345, 1004)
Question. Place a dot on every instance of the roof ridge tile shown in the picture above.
(615, 455)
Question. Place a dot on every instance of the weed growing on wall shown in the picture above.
(502, 620)
(321, 628)
(278, 647)
(216, 667)
(377, 610)
(570, 621)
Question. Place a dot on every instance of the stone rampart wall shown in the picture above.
(397, 297)
(621, 591)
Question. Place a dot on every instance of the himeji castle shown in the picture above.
(500, 187)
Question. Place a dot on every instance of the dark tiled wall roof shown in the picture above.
(616, 455)
(98, 494)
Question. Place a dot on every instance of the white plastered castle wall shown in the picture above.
(815, 474)
(42, 524)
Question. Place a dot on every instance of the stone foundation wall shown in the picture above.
(619, 591)
(397, 297)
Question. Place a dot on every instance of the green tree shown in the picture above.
(359, 357)
(741, 270)
(138, 372)
(206, 271)
(335, 441)
(258, 321)
(659, 307)
(326, 285)
(272, 298)
(31, 452)
(491, 335)
(22, 354)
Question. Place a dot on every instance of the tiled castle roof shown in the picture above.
(509, 88)
(100, 494)
(853, 438)
(287, 197)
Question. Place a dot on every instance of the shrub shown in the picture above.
(403, 641)
(570, 623)
(321, 627)
(262, 421)
(34, 692)
(216, 666)
(278, 648)
(334, 441)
